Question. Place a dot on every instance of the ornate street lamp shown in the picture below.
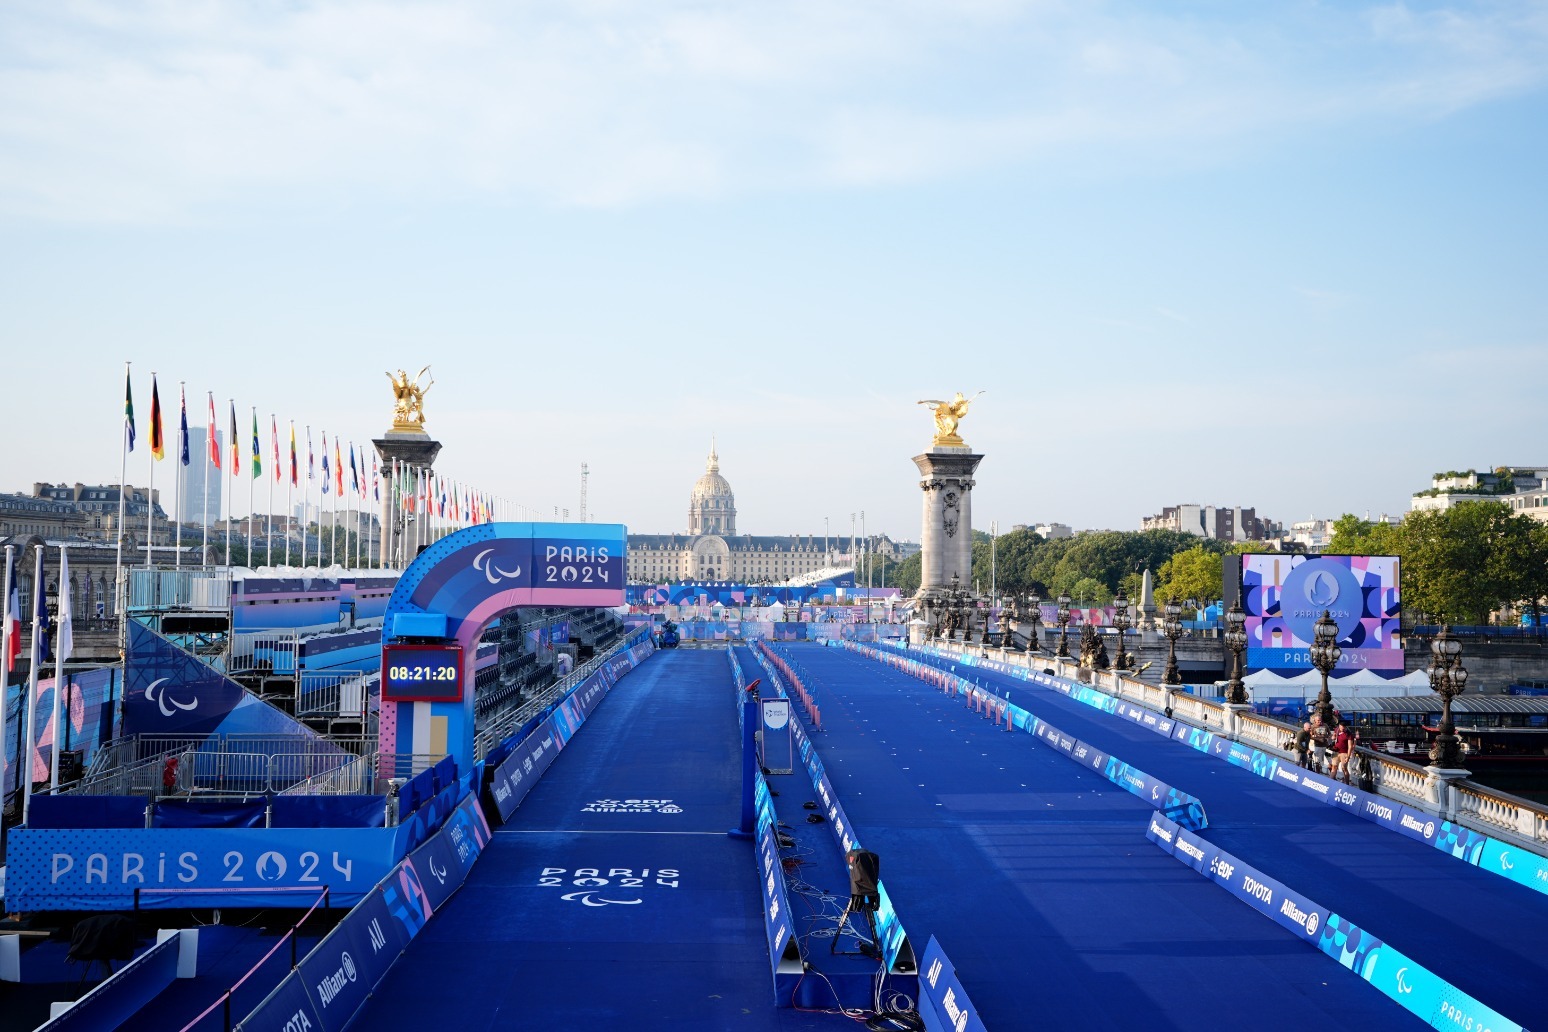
(1236, 641)
(1171, 626)
(1325, 655)
(1122, 621)
(1448, 679)
(1035, 616)
(1064, 625)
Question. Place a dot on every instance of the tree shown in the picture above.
(1088, 591)
(905, 575)
(1196, 574)
(1354, 536)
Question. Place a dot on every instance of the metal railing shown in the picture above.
(182, 589)
(271, 651)
(501, 725)
(353, 775)
(1457, 799)
(236, 765)
(339, 694)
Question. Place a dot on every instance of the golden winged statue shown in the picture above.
(948, 415)
(408, 411)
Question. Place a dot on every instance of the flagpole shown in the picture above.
(123, 489)
(306, 496)
(268, 532)
(209, 432)
(230, 502)
(5, 655)
(64, 640)
(290, 486)
(177, 487)
(24, 761)
(150, 510)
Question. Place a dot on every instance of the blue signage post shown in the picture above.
(777, 754)
(453, 592)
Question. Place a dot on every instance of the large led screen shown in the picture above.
(1285, 595)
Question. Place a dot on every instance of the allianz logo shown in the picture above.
(1308, 921)
(1427, 828)
(954, 1012)
(332, 985)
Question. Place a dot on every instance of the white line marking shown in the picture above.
(565, 831)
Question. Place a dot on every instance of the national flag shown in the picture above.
(236, 444)
(40, 624)
(214, 437)
(376, 485)
(443, 498)
(326, 479)
(129, 410)
(12, 631)
(354, 477)
(311, 458)
(338, 466)
(158, 446)
(274, 435)
(64, 641)
(257, 449)
(183, 399)
(295, 477)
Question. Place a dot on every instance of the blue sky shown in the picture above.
(1287, 256)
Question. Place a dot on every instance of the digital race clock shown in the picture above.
(421, 673)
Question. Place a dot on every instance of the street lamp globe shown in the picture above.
(1171, 626)
(1236, 641)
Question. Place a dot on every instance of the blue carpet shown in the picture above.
(1036, 876)
(571, 918)
(1480, 932)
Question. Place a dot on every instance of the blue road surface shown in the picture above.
(1036, 876)
(614, 898)
(1480, 932)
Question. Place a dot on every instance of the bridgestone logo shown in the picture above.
(1185, 846)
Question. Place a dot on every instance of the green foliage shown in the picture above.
(1193, 576)
(905, 575)
(1088, 591)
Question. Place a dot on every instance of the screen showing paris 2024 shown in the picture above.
(1285, 595)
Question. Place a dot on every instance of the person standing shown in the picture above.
(1303, 744)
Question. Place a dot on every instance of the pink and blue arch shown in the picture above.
(457, 587)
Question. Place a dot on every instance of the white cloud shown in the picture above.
(161, 111)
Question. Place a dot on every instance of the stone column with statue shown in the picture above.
(415, 451)
(946, 471)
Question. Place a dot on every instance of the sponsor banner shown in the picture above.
(288, 1008)
(101, 868)
(1400, 978)
(941, 993)
(1515, 863)
(333, 981)
(784, 952)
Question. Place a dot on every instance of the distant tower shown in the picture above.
(584, 474)
(712, 508)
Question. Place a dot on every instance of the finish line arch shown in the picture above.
(452, 592)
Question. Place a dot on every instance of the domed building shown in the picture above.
(712, 550)
(712, 508)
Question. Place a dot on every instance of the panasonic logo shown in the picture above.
(1162, 833)
(1290, 776)
(1253, 887)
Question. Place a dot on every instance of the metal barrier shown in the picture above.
(235, 765)
(333, 693)
(404, 765)
(495, 731)
(273, 651)
(354, 775)
(185, 589)
(1466, 802)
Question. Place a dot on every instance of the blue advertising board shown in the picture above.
(1396, 975)
(944, 1004)
(102, 868)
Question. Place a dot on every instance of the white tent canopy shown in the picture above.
(1266, 684)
